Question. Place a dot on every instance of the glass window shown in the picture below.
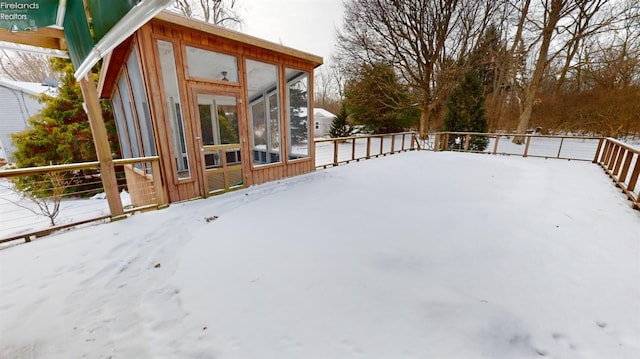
(264, 110)
(131, 111)
(298, 113)
(211, 65)
(118, 113)
(172, 93)
(142, 107)
(123, 88)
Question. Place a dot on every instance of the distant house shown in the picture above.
(322, 121)
(18, 104)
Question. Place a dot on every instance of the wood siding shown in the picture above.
(202, 36)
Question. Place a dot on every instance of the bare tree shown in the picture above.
(25, 66)
(219, 12)
(45, 191)
(564, 26)
(425, 41)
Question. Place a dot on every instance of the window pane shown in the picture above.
(121, 125)
(264, 109)
(170, 78)
(211, 65)
(298, 112)
(123, 87)
(142, 107)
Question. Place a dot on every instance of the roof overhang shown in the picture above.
(61, 27)
(113, 62)
(236, 36)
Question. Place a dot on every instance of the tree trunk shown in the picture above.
(425, 116)
(538, 74)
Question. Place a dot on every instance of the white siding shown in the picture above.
(17, 107)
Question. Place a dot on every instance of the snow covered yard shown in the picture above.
(420, 254)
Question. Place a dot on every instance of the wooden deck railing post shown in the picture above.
(495, 145)
(381, 141)
(621, 154)
(393, 143)
(597, 155)
(634, 176)
(526, 146)
(353, 148)
(335, 152)
(560, 147)
(368, 147)
(625, 168)
(608, 148)
(467, 139)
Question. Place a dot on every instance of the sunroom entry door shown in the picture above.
(222, 160)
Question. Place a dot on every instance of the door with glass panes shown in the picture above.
(220, 142)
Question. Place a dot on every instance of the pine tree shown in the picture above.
(60, 133)
(339, 125)
(465, 111)
(378, 99)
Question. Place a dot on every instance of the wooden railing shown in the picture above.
(335, 151)
(582, 148)
(622, 163)
(140, 177)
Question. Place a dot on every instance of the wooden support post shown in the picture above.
(335, 152)
(381, 141)
(495, 145)
(436, 144)
(393, 143)
(368, 147)
(157, 184)
(467, 139)
(101, 142)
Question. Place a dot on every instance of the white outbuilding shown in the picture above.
(322, 119)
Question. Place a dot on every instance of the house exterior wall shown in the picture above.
(17, 107)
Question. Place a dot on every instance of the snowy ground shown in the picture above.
(19, 215)
(420, 254)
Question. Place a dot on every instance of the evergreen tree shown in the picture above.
(377, 99)
(465, 112)
(298, 115)
(339, 125)
(60, 133)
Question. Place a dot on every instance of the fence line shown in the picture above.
(582, 148)
(335, 151)
(37, 201)
(622, 163)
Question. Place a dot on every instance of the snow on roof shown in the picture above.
(322, 112)
(32, 88)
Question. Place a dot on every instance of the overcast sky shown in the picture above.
(307, 25)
